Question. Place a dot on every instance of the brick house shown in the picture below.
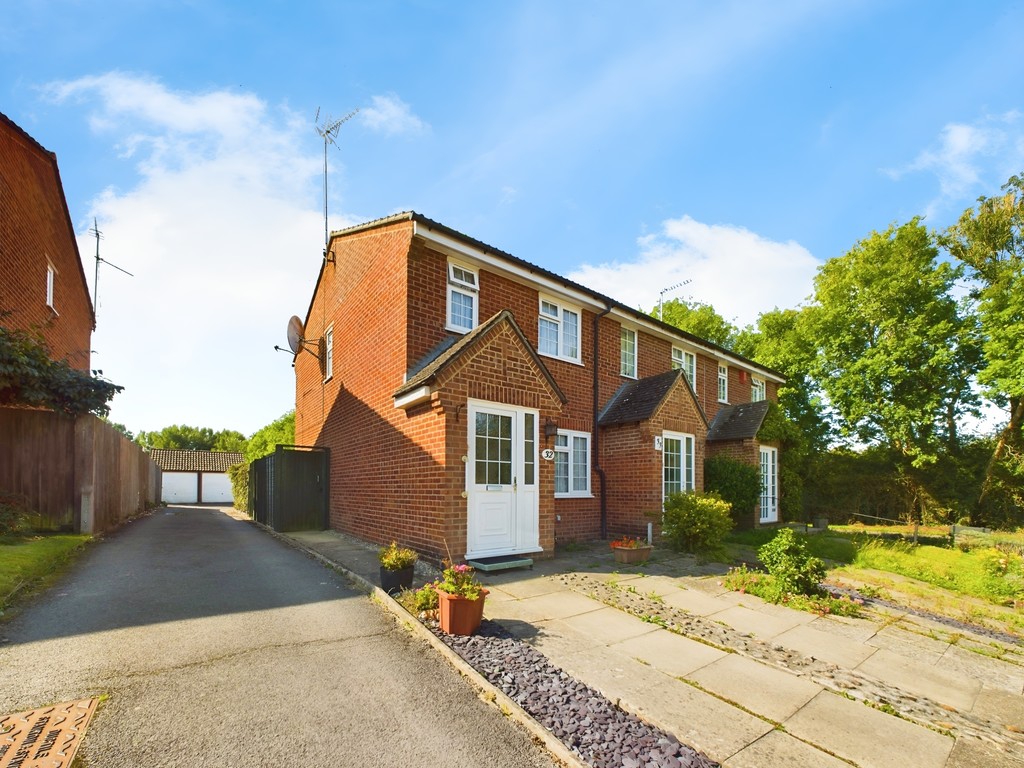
(42, 282)
(474, 401)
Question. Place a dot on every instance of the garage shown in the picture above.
(195, 477)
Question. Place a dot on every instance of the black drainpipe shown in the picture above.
(597, 432)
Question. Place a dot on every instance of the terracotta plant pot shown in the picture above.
(631, 555)
(393, 582)
(459, 615)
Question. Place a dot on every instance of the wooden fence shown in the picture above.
(77, 473)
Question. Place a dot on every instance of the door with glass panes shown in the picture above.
(501, 481)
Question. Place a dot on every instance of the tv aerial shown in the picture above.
(328, 130)
(95, 231)
(296, 339)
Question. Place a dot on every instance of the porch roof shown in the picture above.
(738, 422)
(639, 400)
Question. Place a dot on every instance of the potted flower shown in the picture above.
(396, 567)
(460, 600)
(631, 550)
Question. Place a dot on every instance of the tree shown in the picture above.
(265, 439)
(184, 437)
(894, 351)
(699, 319)
(989, 240)
(29, 376)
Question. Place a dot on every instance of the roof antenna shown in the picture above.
(328, 131)
(95, 231)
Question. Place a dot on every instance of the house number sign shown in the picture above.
(548, 454)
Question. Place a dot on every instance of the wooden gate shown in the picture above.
(288, 489)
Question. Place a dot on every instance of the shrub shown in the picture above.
(239, 474)
(14, 513)
(396, 558)
(695, 521)
(794, 569)
(737, 483)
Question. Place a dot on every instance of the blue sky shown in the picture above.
(629, 146)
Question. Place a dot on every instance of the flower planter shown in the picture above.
(393, 582)
(459, 615)
(631, 555)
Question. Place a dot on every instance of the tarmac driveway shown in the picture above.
(219, 645)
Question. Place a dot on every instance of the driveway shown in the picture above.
(216, 644)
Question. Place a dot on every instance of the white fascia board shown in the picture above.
(459, 249)
(415, 397)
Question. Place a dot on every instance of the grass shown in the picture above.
(30, 562)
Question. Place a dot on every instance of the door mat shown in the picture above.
(48, 736)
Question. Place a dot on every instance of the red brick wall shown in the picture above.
(34, 231)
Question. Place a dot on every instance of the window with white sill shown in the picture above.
(758, 391)
(627, 352)
(558, 331)
(463, 292)
(723, 384)
(688, 362)
(572, 463)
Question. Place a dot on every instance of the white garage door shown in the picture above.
(180, 488)
(216, 488)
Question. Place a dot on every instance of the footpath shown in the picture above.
(749, 683)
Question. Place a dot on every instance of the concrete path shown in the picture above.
(218, 645)
(747, 712)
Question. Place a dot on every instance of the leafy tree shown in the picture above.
(895, 354)
(263, 440)
(29, 376)
(184, 437)
(699, 319)
(989, 240)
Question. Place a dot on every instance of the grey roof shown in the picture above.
(195, 461)
(738, 422)
(446, 353)
(638, 400)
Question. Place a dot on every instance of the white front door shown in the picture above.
(769, 485)
(501, 481)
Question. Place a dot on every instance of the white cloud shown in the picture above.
(738, 272)
(223, 235)
(967, 159)
(390, 115)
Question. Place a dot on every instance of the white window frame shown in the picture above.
(758, 389)
(329, 352)
(769, 501)
(51, 280)
(688, 362)
(459, 285)
(554, 313)
(578, 474)
(624, 367)
(723, 383)
(687, 446)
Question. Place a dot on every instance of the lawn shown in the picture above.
(28, 562)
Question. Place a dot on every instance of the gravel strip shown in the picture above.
(602, 734)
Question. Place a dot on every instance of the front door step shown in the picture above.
(500, 563)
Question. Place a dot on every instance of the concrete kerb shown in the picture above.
(488, 693)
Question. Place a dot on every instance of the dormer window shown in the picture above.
(462, 298)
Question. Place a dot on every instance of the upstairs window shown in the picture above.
(723, 383)
(558, 331)
(329, 352)
(51, 278)
(688, 362)
(757, 390)
(627, 353)
(462, 298)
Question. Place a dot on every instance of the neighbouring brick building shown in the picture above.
(476, 402)
(42, 283)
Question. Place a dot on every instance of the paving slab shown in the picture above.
(695, 601)
(553, 605)
(1001, 707)
(767, 691)
(670, 653)
(908, 643)
(970, 753)
(849, 627)
(759, 623)
(609, 625)
(824, 645)
(776, 748)
(514, 584)
(699, 719)
(868, 737)
(992, 672)
(923, 679)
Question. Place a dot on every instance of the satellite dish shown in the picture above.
(295, 331)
